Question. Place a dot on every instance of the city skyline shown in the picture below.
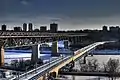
(53, 27)
(69, 14)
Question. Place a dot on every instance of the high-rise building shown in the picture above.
(36, 30)
(53, 27)
(17, 29)
(24, 27)
(105, 28)
(3, 28)
(43, 28)
(30, 27)
(114, 29)
(117, 28)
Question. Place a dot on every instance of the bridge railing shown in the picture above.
(48, 68)
(32, 71)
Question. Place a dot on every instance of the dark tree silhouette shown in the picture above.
(112, 66)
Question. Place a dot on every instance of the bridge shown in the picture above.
(40, 73)
(23, 38)
(47, 34)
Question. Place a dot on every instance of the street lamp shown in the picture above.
(35, 66)
(26, 70)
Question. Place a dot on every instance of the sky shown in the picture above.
(69, 14)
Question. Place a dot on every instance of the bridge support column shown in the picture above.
(55, 49)
(1, 53)
(52, 75)
(35, 53)
(54, 72)
(72, 64)
(66, 44)
(84, 61)
(43, 78)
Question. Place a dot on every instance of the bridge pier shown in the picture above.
(42, 78)
(72, 64)
(1, 53)
(54, 73)
(84, 60)
(35, 53)
(52, 76)
(55, 49)
(66, 44)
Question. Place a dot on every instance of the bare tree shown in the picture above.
(84, 68)
(91, 65)
(112, 66)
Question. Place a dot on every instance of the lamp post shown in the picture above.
(35, 67)
(26, 70)
(18, 73)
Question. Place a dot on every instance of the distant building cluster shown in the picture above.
(54, 28)
(111, 28)
(29, 27)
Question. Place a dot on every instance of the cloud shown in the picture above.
(64, 22)
(67, 12)
(24, 2)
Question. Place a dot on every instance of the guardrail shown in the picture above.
(32, 71)
(47, 69)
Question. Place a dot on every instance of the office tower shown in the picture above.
(53, 27)
(30, 26)
(17, 29)
(105, 28)
(36, 30)
(24, 27)
(43, 28)
(3, 28)
(114, 29)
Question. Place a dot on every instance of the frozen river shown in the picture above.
(26, 54)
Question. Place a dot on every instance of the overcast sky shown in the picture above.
(69, 14)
